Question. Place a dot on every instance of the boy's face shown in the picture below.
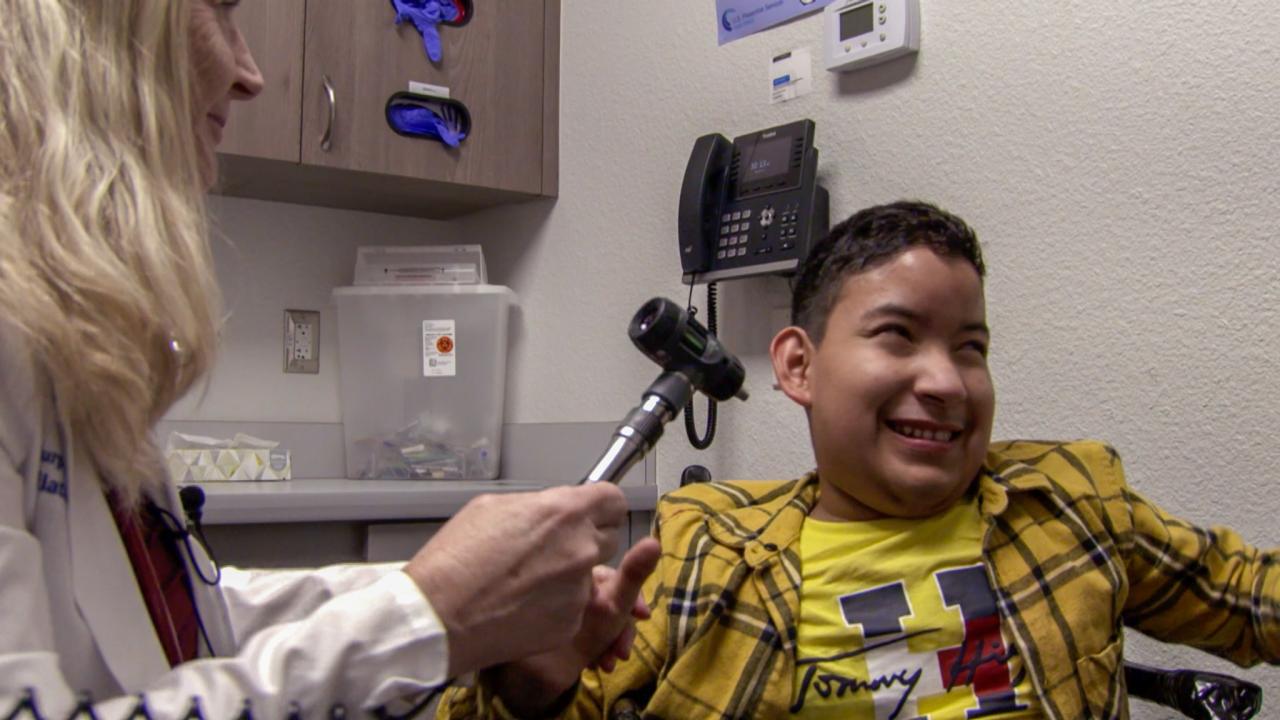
(899, 396)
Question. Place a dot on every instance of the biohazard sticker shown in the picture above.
(439, 348)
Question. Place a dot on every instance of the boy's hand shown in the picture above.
(531, 685)
(615, 603)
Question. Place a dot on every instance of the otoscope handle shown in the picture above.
(641, 428)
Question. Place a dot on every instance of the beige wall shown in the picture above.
(1119, 161)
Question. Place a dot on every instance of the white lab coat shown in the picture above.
(72, 618)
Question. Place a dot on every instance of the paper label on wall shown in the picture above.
(790, 75)
(439, 348)
(421, 88)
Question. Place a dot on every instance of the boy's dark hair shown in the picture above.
(868, 238)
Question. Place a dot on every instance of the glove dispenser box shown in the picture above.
(422, 379)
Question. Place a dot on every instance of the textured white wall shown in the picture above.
(1119, 161)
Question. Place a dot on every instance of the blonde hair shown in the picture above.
(104, 259)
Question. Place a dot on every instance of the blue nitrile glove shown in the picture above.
(425, 16)
(426, 122)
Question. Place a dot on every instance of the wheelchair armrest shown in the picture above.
(1196, 694)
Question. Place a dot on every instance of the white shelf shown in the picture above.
(233, 503)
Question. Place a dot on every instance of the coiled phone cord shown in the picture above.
(690, 427)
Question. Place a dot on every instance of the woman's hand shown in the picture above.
(511, 575)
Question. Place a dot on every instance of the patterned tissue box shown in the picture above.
(228, 464)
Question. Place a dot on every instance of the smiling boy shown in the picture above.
(920, 570)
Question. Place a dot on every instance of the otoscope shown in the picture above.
(691, 359)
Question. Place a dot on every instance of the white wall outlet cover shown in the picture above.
(301, 341)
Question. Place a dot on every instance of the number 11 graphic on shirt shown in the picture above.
(897, 678)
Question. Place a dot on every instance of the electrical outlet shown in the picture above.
(301, 341)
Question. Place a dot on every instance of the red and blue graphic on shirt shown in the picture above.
(904, 662)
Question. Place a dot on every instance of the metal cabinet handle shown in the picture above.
(326, 142)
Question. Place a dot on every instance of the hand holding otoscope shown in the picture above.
(691, 359)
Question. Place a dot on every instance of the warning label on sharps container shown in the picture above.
(439, 348)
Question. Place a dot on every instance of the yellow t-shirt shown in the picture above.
(898, 620)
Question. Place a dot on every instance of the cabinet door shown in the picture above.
(269, 125)
(494, 64)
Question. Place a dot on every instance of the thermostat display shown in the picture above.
(858, 33)
(858, 21)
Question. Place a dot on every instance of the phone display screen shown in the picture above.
(769, 161)
(857, 21)
(766, 159)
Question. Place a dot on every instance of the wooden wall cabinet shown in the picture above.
(503, 65)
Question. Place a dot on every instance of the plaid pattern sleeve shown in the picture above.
(1075, 554)
(1202, 587)
(725, 584)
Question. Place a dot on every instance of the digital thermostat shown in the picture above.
(858, 33)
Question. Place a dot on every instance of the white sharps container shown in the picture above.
(422, 377)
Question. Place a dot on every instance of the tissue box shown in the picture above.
(228, 464)
(196, 458)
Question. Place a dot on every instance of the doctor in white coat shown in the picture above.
(109, 119)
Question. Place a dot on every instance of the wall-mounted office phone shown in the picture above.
(751, 207)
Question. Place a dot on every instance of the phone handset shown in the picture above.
(701, 197)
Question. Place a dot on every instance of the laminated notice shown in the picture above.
(439, 348)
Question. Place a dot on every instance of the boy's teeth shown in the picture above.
(936, 436)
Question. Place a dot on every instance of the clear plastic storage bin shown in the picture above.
(422, 376)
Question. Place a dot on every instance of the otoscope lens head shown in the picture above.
(669, 336)
(653, 326)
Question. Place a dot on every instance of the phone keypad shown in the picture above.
(735, 233)
(737, 230)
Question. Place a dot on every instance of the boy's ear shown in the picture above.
(792, 354)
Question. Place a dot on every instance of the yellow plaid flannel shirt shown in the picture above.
(1072, 553)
